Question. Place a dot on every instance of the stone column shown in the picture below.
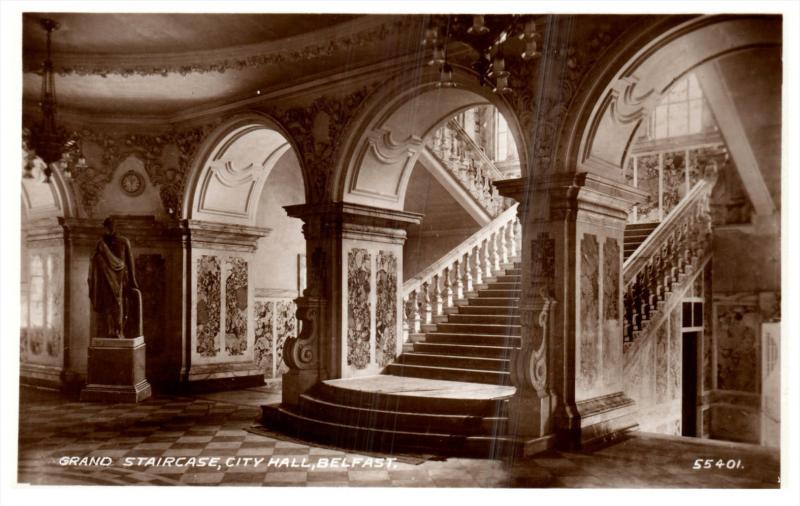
(351, 311)
(568, 372)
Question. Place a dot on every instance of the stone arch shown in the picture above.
(378, 155)
(47, 200)
(234, 162)
(631, 81)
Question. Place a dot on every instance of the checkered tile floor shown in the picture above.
(53, 430)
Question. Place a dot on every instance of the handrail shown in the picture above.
(456, 274)
(464, 136)
(502, 219)
(661, 265)
(653, 242)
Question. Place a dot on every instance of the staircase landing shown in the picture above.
(423, 387)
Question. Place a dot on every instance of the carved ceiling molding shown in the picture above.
(149, 148)
(544, 91)
(318, 131)
(312, 46)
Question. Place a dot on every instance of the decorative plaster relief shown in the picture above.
(265, 337)
(661, 362)
(675, 354)
(207, 328)
(386, 308)
(285, 327)
(236, 306)
(358, 307)
(151, 277)
(590, 310)
(612, 328)
(737, 336)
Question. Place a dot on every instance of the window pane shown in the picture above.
(678, 119)
(695, 116)
(661, 122)
(687, 314)
(678, 91)
(694, 87)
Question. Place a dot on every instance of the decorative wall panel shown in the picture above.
(264, 337)
(737, 335)
(662, 362)
(236, 306)
(612, 329)
(675, 354)
(358, 307)
(589, 310)
(209, 276)
(386, 307)
(285, 327)
(151, 274)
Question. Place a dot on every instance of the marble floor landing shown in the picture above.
(54, 430)
(421, 387)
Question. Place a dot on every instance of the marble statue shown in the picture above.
(112, 280)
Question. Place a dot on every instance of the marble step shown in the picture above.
(496, 319)
(413, 421)
(454, 361)
(508, 279)
(391, 393)
(473, 339)
(463, 350)
(489, 310)
(493, 301)
(450, 374)
(479, 328)
(503, 285)
(381, 440)
(494, 293)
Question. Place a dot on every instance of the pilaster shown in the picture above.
(352, 308)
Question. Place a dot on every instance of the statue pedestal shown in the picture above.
(116, 371)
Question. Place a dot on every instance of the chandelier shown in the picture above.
(50, 142)
(494, 37)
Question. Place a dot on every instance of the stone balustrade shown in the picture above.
(461, 271)
(665, 259)
(468, 163)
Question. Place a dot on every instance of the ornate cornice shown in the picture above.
(319, 44)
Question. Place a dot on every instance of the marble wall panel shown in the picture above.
(151, 272)
(358, 307)
(236, 306)
(708, 333)
(55, 306)
(285, 327)
(612, 328)
(661, 363)
(675, 354)
(264, 337)
(209, 278)
(737, 335)
(589, 311)
(386, 307)
(734, 423)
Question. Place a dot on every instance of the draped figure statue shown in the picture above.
(112, 279)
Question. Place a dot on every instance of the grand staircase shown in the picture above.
(448, 392)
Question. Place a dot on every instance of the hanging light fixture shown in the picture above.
(50, 142)
(495, 38)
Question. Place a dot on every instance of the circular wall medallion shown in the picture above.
(132, 183)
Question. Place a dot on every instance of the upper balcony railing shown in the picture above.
(468, 163)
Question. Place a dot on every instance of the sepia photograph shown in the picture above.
(422, 248)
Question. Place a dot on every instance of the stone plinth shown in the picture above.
(116, 371)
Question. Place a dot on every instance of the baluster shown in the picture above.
(437, 296)
(458, 282)
(505, 253)
(494, 253)
(447, 293)
(486, 264)
(467, 273)
(413, 319)
(426, 304)
(477, 266)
